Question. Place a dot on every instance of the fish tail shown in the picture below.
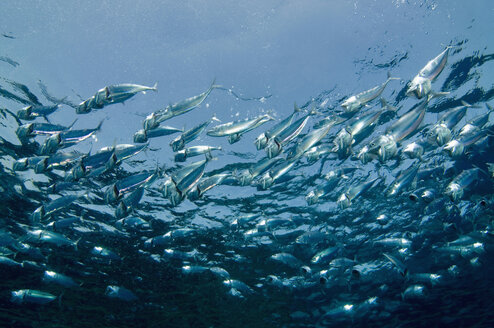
(433, 95)
(392, 78)
(215, 86)
(99, 125)
(296, 109)
(464, 103)
(386, 106)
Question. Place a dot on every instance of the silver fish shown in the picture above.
(183, 154)
(398, 264)
(235, 129)
(421, 85)
(142, 135)
(129, 184)
(29, 113)
(345, 200)
(464, 180)
(66, 139)
(31, 296)
(189, 135)
(59, 279)
(56, 205)
(58, 161)
(476, 123)
(456, 147)
(206, 184)
(310, 140)
(129, 202)
(354, 103)
(121, 293)
(112, 94)
(31, 130)
(50, 237)
(441, 131)
(263, 139)
(276, 144)
(269, 178)
(403, 180)
(153, 120)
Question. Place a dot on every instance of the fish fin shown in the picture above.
(216, 119)
(434, 94)
(296, 109)
(314, 111)
(391, 78)
(386, 106)
(214, 85)
(100, 124)
(464, 103)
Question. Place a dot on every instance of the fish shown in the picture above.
(31, 296)
(153, 120)
(476, 123)
(246, 177)
(206, 184)
(112, 94)
(274, 174)
(346, 198)
(349, 135)
(40, 236)
(143, 136)
(456, 147)
(310, 140)
(92, 165)
(397, 263)
(235, 129)
(441, 131)
(182, 155)
(128, 203)
(263, 139)
(129, 184)
(60, 161)
(31, 112)
(59, 279)
(66, 139)
(188, 136)
(403, 180)
(354, 103)
(460, 183)
(54, 206)
(31, 130)
(276, 144)
(120, 293)
(421, 85)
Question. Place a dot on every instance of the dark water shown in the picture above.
(368, 292)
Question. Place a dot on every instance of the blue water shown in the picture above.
(273, 53)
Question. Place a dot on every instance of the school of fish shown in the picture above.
(396, 202)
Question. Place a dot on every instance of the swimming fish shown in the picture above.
(421, 85)
(153, 120)
(235, 129)
(354, 103)
(112, 94)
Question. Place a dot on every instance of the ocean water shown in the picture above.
(242, 255)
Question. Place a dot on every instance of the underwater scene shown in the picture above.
(258, 164)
